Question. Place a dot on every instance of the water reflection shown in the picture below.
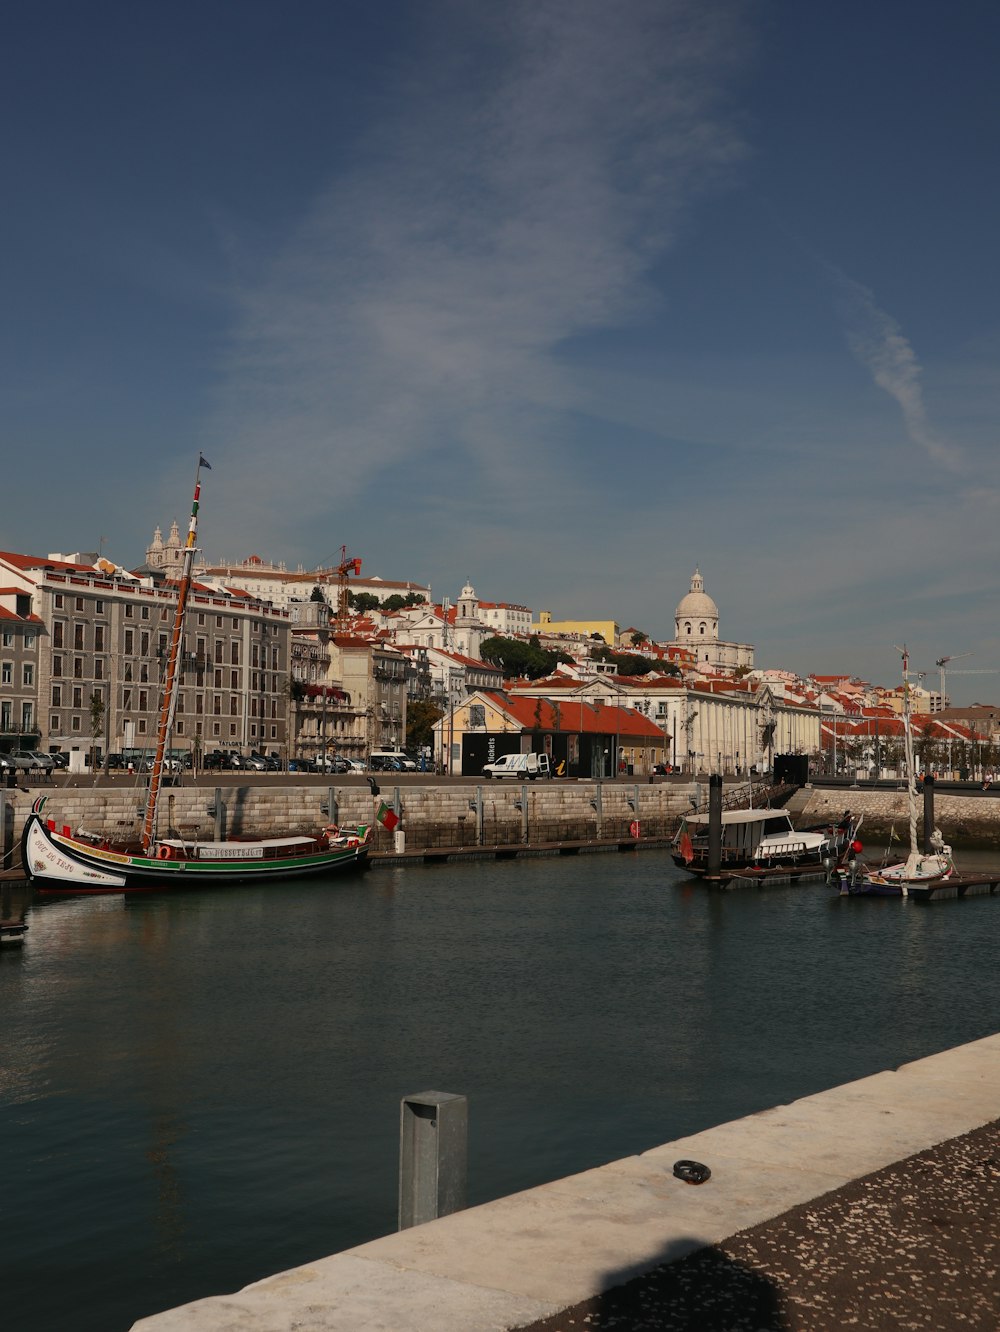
(205, 1088)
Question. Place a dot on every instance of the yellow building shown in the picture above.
(608, 629)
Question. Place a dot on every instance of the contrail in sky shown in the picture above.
(878, 343)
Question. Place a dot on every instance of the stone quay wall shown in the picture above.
(431, 815)
(964, 820)
(447, 815)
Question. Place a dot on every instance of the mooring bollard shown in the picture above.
(433, 1151)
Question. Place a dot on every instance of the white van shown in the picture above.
(523, 766)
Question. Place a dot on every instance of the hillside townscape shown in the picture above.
(310, 665)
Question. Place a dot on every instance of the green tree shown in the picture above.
(517, 658)
(96, 725)
(421, 714)
(317, 594)
(363, 601)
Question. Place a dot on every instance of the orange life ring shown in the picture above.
(163, 853)
(332, 830)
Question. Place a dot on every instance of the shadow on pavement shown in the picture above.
(694, 1288)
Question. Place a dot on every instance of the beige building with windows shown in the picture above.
(104, 634)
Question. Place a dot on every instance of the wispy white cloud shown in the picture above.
(513, 201)
(878, 343)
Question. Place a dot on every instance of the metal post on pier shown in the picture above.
(480, 823)
(218, 811)
(598, 803)
(714, 824)
(7, 811)
(524, 814)
(329, 805)
(928, 813)
(433, 1155)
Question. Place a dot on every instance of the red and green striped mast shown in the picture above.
(168, 703)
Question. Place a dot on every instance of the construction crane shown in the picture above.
(349, 564)
(941, 663)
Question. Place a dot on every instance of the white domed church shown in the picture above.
(696, 628)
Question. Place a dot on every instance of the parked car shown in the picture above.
(61, 760)
(216, 758)
(301, 765)
(33, 760)
(272, 762)
(169, 764)
(115, 761)
(384, 763)
(255, 763)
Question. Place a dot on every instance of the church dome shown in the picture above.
(697, 604)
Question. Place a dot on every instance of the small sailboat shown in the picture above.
(59, 860)
(918, 867)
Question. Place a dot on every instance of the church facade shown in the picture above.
(696, 629)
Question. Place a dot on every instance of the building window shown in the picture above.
(7, 673)
(77, 668)
(77, 697)
(216, 729)
(179, 728)
(99, 607)
(98, 637)
(58, 601)
(79, 603)
(201, 618)
(234, 679)
(234, 707)
(144, 643)
(232, 728)
(8, 638)
(75, 724)
(54, 724)
(128, 612)
(5, 716)
(78, 637)
(29, 642)
(220, 649)
(57, 665)
(144, 612)
(99, 669)
(143, 700)
(29, 674)
(57, 633)
(57, 696)
(126, 700)
(142, 726)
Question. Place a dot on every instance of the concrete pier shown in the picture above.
(539, 1258)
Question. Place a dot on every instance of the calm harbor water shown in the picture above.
(198, 1091)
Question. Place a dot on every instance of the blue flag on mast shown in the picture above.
(203, 463)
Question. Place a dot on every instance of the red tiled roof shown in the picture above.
(30, 562)
(579, 716)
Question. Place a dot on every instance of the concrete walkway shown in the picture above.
(546, 1257)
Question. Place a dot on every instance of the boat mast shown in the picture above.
(168, 703)
(911, 782)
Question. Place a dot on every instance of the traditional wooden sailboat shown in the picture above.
(918, 867)
(59, 860)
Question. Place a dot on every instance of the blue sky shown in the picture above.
(563, 297)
